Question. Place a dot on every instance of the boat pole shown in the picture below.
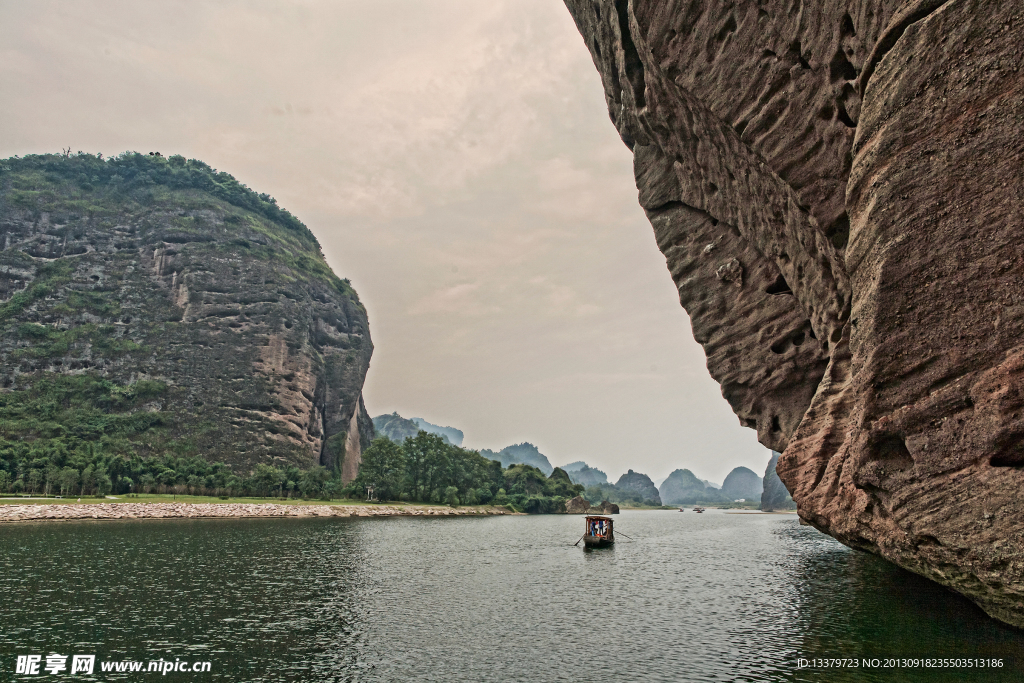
(578, 542)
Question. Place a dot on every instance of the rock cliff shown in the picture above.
(837, 190)
(162, 307)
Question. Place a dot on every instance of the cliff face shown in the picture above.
(162, 279)
(836, 187)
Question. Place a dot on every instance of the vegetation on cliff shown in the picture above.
(155, 307)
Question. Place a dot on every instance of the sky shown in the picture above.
(456, 162)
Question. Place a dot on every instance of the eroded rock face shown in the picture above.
(257, 350)
(577, 506)
(837, 189)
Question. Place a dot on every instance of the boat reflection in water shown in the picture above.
(599, 533)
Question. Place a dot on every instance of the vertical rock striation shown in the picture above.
(836, 187)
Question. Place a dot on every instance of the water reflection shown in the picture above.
(712, 597)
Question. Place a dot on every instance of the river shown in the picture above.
(712, 597)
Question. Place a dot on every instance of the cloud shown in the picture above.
(456, 162)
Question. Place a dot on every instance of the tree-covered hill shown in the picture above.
(154, 307)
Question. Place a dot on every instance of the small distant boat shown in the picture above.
(599, 532)
(698, 509)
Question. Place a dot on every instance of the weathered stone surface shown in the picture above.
(609, 508)
(837, 190)
(577, 506)
(257, 350)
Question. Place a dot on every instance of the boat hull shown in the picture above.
(597, 542)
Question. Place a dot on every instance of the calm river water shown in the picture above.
(712, 597)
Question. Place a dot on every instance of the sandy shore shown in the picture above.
(33, 513)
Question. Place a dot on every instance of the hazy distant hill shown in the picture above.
(395, 427)
(742, 483)
(683, 488)
(525, 453)
(453, 435)
(641, 484)
(775, 496)
(582, 473)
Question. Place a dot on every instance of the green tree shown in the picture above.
(521, 479)
(451, 495)
(383, 468)
(266, 478)
(426, 464)
(68, 479)
(312, 481)
(103, 483)
(88, 480)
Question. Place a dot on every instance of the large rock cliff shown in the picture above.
(162, 307)
(837, 190)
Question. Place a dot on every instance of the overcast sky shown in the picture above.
(455, 160)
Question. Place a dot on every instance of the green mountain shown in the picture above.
(155, 306)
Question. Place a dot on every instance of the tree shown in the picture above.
(68, 479)
(523, 479)
(312, 481)
(451, 495)
(103, 482)
(266, 478)
(426, 464)
(383, 468)
(88, 480)
(35, 480)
